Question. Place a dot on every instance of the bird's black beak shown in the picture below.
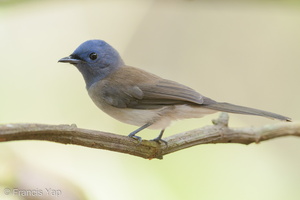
(70, 60)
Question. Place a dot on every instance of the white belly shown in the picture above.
(161, 118)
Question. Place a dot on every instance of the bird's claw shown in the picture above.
(159, 140)
(136, 138)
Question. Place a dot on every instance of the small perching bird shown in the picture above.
(137, 97)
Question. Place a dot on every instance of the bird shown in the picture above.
(137, 97)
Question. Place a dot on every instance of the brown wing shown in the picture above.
(130, 87)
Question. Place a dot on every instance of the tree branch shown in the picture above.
(219, 132)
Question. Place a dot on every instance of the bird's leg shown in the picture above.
(158, 138)
(132, 134)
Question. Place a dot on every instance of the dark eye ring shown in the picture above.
(93, 56)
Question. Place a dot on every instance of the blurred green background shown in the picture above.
(244, 52)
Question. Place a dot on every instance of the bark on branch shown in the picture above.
(219, 132)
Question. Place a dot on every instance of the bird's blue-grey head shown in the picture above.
(95, 59)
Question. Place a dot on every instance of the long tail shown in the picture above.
(231, 108)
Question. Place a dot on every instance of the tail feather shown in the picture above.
(231, 108)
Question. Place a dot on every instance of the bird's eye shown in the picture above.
(93, 56)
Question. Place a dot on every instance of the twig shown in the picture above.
(217, 133)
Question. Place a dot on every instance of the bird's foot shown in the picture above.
(159, 140)
(138, 138)
(132, 134)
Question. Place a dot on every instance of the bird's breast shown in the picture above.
(137, 117)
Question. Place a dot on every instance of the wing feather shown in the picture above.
(145, 90)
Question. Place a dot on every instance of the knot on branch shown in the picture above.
(222, 120)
